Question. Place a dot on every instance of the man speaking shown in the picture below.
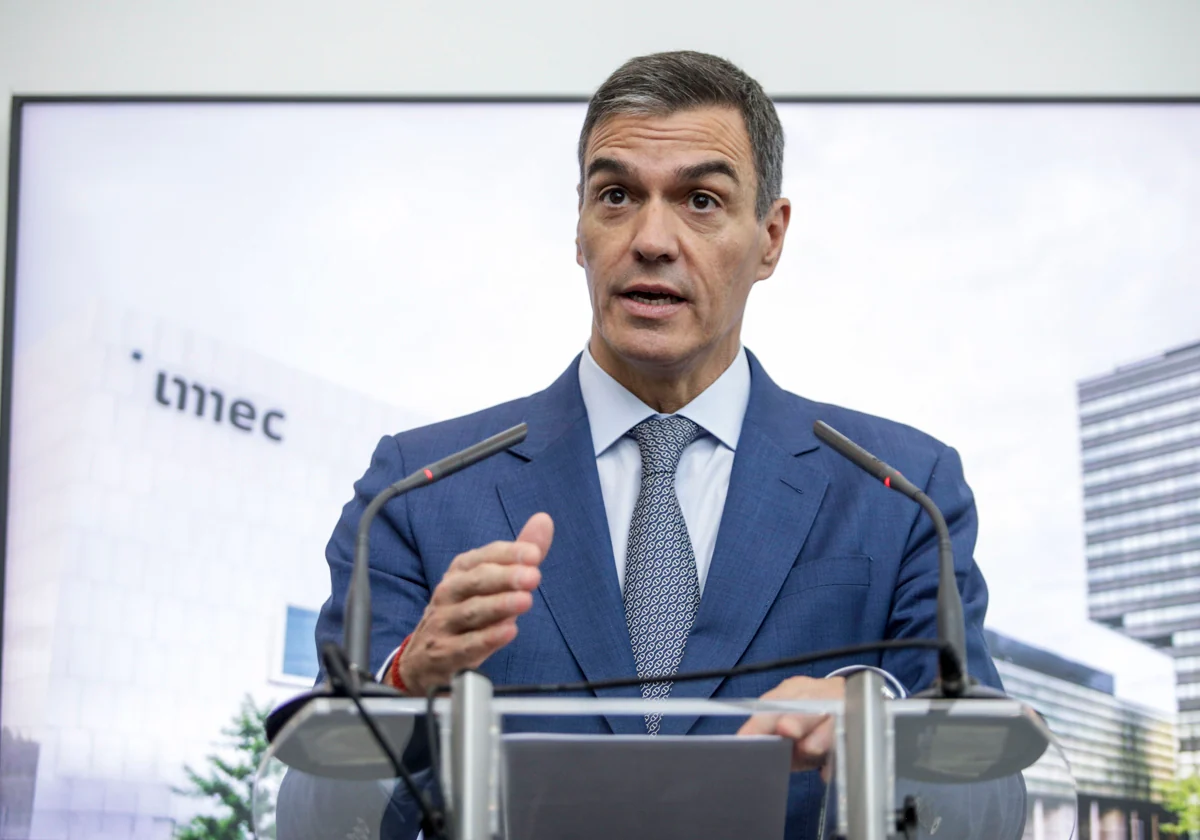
(670, 509)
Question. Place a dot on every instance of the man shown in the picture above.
(670, 509)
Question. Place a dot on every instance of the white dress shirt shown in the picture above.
(702, 479)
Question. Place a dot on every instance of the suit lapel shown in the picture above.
(770, 507)
(579, 577)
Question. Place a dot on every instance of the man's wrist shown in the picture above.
(394, 678)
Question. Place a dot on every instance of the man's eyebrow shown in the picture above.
(708, 167)
(610, 165)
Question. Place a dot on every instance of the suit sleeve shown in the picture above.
(914, 601)
(399, 589)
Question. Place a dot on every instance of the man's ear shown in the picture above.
(773, 230)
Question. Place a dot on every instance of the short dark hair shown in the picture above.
(664, 83)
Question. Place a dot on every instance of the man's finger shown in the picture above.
(799, 727)
(485, 610)
(500, 552)
(760, 725)
(488, 579)
(477, 645)
(529, 548)
(820, 740)
(538, 531)
(812, 739)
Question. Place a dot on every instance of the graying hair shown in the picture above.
(664, 83)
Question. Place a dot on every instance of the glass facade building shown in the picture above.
(1140, 434)
(152, 557)
(1117, 750)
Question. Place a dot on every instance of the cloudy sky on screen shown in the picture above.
(955, 267)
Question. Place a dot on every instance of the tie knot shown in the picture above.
(662, 441)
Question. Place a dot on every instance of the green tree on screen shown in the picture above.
(1182, 798)
(228, 780)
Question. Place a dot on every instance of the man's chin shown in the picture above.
(651, 354)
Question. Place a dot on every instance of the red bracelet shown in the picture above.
(394, 670)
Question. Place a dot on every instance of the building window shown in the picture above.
(1163, 615)
(1145, 466)
(1096, 406)
(1140, 418)
(1146, 592)
(1098, 548)
(1154, 565)
(1141, 492)
(299, 646)
(1147, 440)
(1145, 516)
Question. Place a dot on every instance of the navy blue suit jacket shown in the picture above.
(811, 553)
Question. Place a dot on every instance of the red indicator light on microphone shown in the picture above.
(429, 474)
(887, 481)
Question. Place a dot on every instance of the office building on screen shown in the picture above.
(1140, 431)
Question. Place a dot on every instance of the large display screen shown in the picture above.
(217, 308)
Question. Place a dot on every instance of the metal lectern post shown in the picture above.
(471, 756)
(870, 811)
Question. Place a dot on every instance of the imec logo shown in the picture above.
(183, 395)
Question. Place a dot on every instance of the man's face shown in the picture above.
(669, 239)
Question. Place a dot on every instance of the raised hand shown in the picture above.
(473, 611)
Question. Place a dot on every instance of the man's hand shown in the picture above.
(473, 611)
(812, 735)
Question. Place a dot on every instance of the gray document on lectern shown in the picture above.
(603, 787)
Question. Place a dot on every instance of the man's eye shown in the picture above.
(701, 201)
(615, 195)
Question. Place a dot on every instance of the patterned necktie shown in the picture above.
(662, 589)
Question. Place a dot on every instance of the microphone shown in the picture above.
(952, 675)
(318, 744)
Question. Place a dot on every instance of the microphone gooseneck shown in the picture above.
(952, 658)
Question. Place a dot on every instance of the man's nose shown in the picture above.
(656, 239)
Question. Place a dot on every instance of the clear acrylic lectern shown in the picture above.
(977, 768)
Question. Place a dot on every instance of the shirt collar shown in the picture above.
(612, 410)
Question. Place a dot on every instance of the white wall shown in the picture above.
(798, 47)
(542, 46)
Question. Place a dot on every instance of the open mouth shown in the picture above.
(653, 298)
